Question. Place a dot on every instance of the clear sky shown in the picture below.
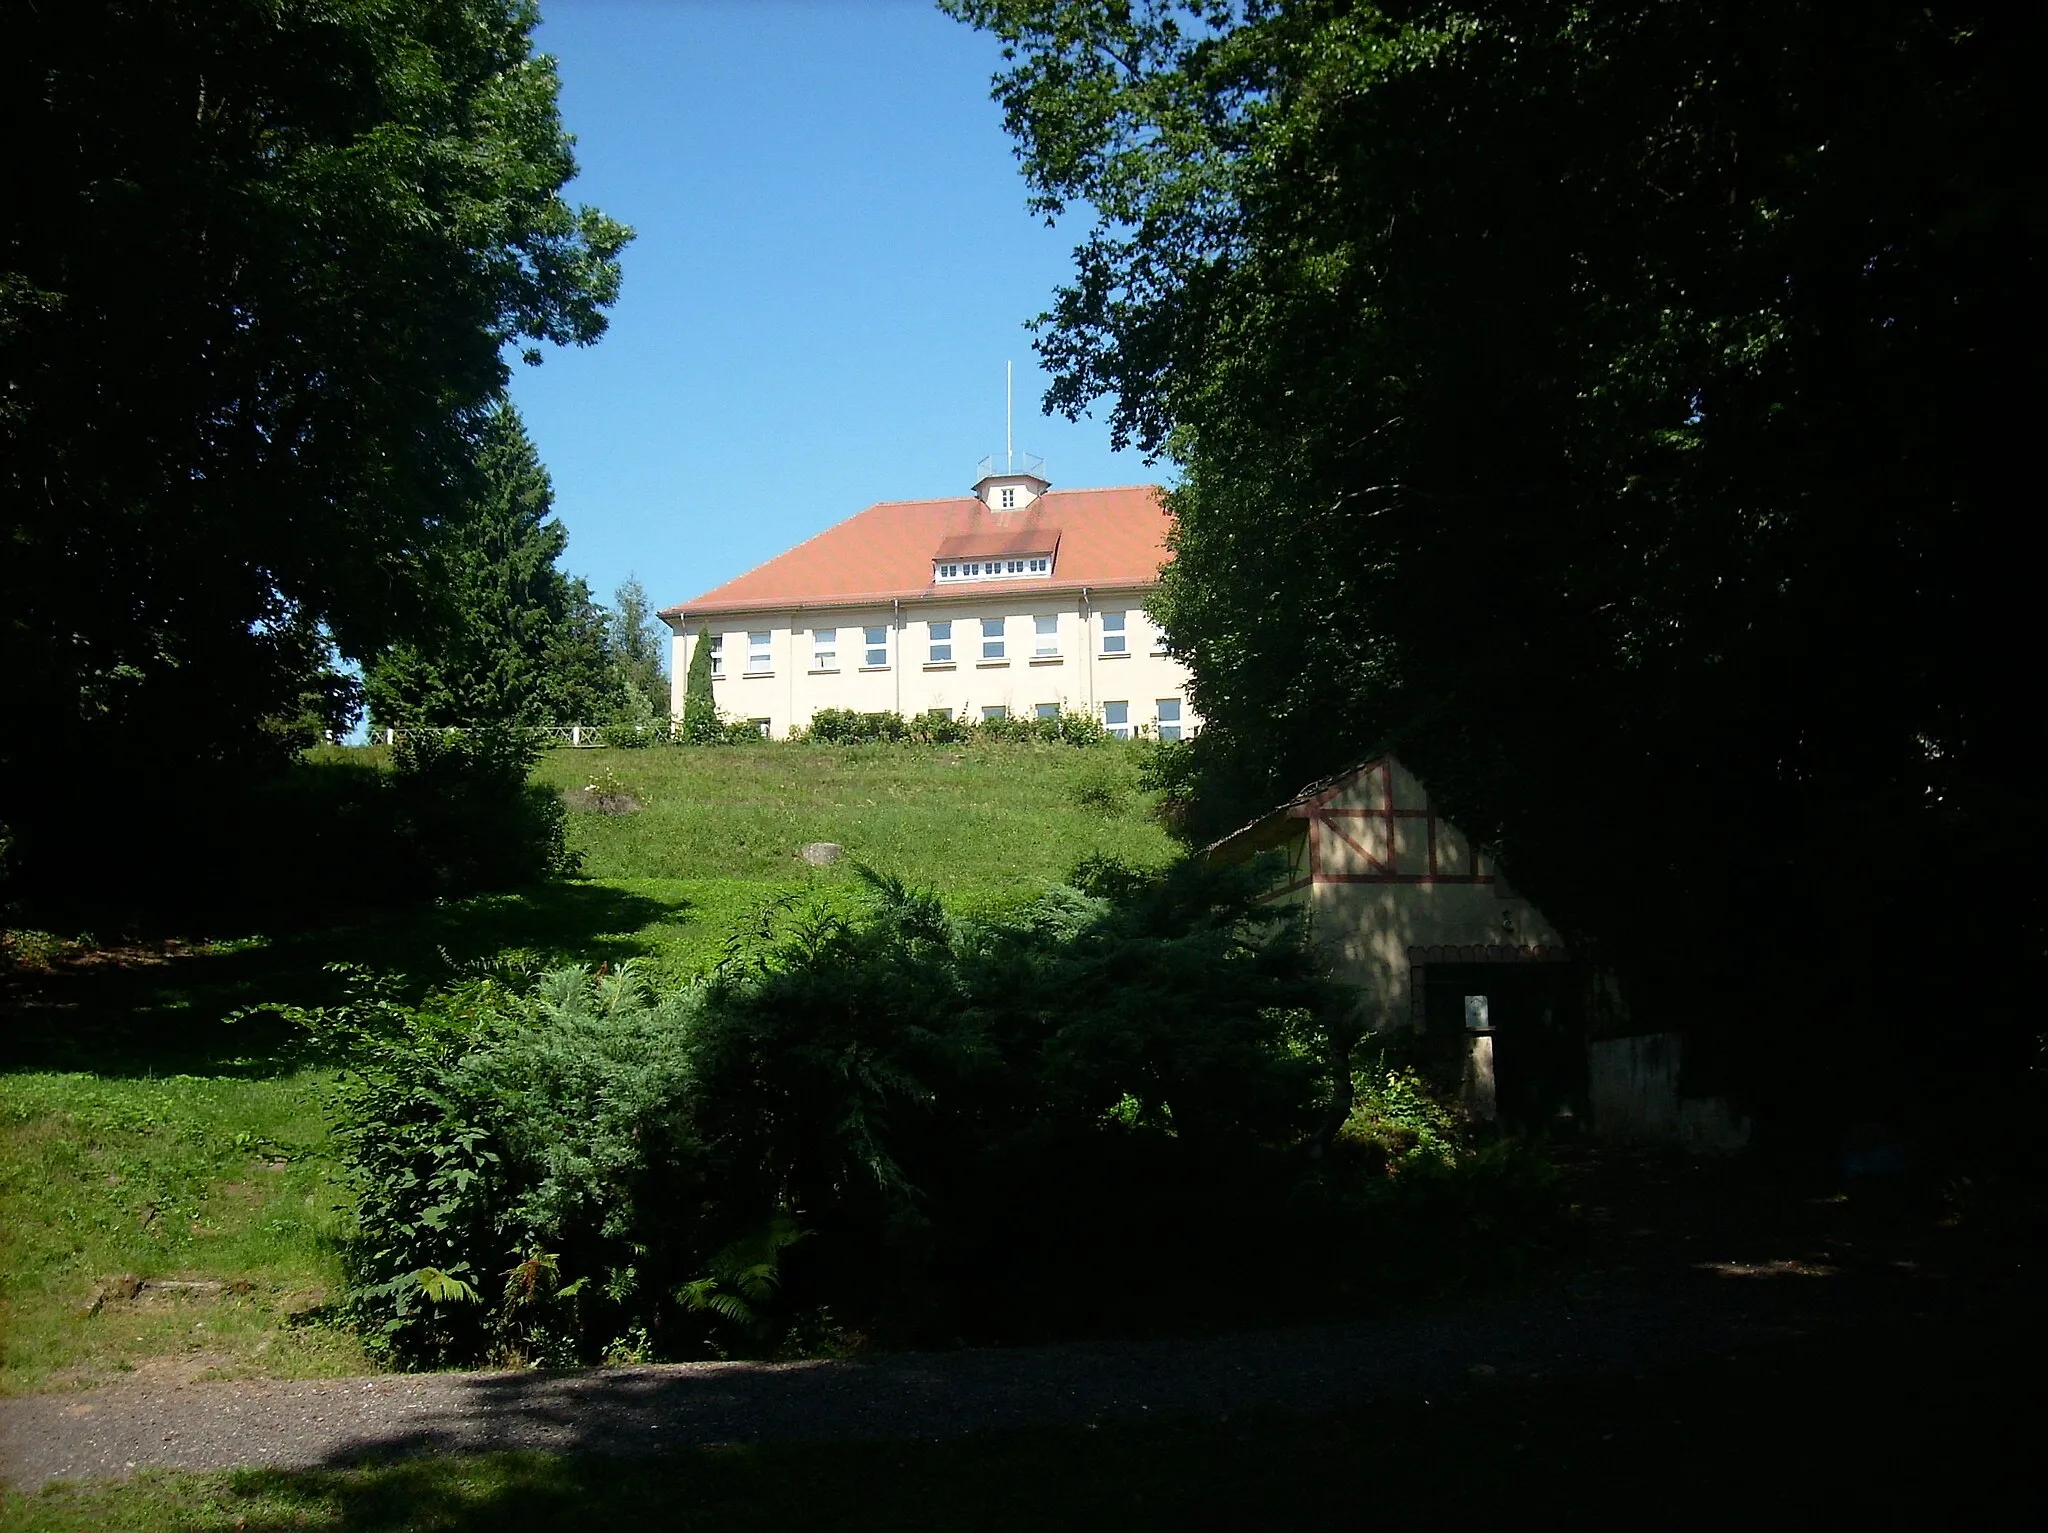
(833, 264)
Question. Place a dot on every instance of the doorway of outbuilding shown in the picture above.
(1521, 1033)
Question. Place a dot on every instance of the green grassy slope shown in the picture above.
(140, 1137)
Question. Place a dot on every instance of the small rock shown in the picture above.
(818, 853)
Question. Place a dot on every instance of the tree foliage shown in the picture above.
(1111, 1107)
(639, 640)
(513, 639)
(1615, 409)
(700, 703)
(258, 269)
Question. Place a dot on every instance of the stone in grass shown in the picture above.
(818, 853)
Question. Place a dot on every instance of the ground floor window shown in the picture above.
(717, 646)
(1169, 718)
(877, 646)
(762, 726)
(1048, 710)
(941, 647)
(992, 638)
(1116, 718)
(760, 654)
(824, 649)
(995, 711)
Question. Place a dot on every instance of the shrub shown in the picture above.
(1108, 1109)
(940, 726)
(1105, 787)
(844, 726)
(465, 816)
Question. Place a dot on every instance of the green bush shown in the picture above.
(1111, 1109)
(844, 726)
(465, 817)
(936, 726)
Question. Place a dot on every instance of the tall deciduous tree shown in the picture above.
(1619, 411)
(514, 639)
(259, 265)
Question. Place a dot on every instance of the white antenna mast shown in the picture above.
(1009, 449)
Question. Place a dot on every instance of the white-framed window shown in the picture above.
(1116, 718)
(1047, 634)
(875, 649)
(1048, 710)
(760, 653)
(1023, 566)
(762, 726)
(992, 638)
(824, 649)
(716, 644)
(1169, 718)
(940, 649)
(1115, 636)
(1009, 499)
(995, 711)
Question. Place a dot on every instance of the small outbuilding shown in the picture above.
(1422, 921)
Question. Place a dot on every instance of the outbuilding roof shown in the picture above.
(1109, 538)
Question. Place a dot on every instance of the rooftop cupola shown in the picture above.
(1010, 488)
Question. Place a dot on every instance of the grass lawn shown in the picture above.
(141, 1138)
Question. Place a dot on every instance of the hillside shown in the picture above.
(142, 1139)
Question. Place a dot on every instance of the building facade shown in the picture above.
(1017, 600)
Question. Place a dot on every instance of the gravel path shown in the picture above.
(1706, 1279)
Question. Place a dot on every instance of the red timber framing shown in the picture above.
(1343, 823)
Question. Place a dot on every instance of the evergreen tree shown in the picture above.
(514, 639)
(700, 708)
(638, 639)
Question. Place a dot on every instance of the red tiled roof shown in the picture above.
(1104, 537)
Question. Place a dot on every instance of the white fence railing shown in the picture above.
(549, 736)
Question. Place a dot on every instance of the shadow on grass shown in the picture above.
(152, 1008)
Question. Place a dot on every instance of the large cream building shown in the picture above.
(1016, 600)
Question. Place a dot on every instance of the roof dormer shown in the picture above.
(1011, 489)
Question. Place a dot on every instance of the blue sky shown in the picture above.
(833, 264)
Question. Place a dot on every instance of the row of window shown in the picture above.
(874, 650)
(1116, 716)
(992, 569)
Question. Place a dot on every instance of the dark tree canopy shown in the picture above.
(1618, 410)
(259, 265)
(513, 639)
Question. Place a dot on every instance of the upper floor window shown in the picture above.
(1169, 718)
(1024, 566)
(1116, 718)
(1115, 638)
(760, 652)
(875, 651)
(716, 644)
(824, 649)
(1009, 500)
(992, 638)
(1048, 634)
(940, 651)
